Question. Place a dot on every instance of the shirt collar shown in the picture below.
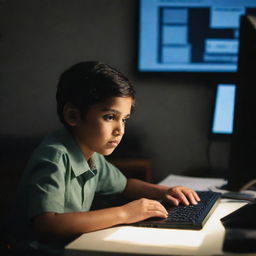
(76, 157)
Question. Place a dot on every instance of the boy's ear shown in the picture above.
(71, 114)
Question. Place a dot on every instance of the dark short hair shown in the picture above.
(88, 83)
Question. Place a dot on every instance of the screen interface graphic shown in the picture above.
(190, 35)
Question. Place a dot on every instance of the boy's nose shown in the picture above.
(119, 130)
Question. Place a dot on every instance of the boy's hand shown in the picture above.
(142, 209)
(180, 194)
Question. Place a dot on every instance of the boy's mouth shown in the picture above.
(114, 143)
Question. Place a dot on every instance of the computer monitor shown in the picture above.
(242, 160)
(223, 111)
(190, 35)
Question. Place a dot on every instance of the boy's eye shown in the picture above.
(109, 117)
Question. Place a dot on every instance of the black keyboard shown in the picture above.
(187, 217)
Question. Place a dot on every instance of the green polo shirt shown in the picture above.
(59, 179)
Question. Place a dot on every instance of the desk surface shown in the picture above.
(154, 241)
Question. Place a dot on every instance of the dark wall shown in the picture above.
(39, 39)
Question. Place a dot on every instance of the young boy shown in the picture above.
(68, 168)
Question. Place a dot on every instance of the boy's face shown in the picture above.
(103, 127)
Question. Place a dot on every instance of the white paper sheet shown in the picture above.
(196, 183)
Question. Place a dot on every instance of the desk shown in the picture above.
(154, 241)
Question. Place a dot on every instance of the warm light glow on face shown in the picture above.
(157, 237)
(103, 127)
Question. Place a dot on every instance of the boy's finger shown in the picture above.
(192, 198)
(173, 200)
(183, 198)
(196, 196)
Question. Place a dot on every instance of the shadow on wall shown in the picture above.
(133, 145)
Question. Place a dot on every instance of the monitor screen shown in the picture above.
(190, 35)
(224, 109)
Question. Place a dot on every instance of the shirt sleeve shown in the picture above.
(46, 186)
(111, 179)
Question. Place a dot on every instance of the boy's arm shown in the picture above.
(137, 189)
(52, 226)
(60, 226)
